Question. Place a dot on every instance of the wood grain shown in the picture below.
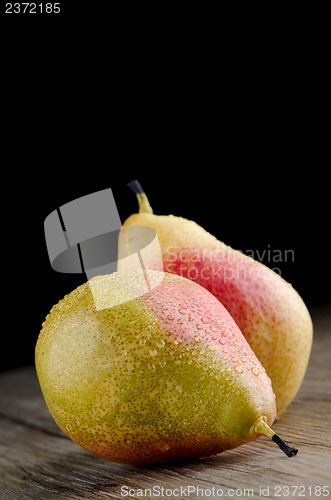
(38, 461)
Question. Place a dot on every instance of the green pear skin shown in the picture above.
(269, 312)
(159, 372)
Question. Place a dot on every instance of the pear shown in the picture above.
(269, 312)
(143, 367)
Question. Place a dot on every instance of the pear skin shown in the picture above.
(165, 375)
(269, 312)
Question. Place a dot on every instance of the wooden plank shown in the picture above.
(38, 461)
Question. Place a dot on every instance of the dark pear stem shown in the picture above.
(260, 426)
(288, 450)
(144, 206)
(135, 186)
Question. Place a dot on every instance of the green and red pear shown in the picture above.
(144, 367)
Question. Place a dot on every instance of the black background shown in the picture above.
(231, 135)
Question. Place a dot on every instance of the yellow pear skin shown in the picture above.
(269, 312)
(143, 367)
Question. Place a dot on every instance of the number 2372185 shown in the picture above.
(32, 8)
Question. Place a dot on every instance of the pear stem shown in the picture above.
(144, 206)
(288, 450)
(263, 428)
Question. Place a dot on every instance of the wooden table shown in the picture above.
(38, 461)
